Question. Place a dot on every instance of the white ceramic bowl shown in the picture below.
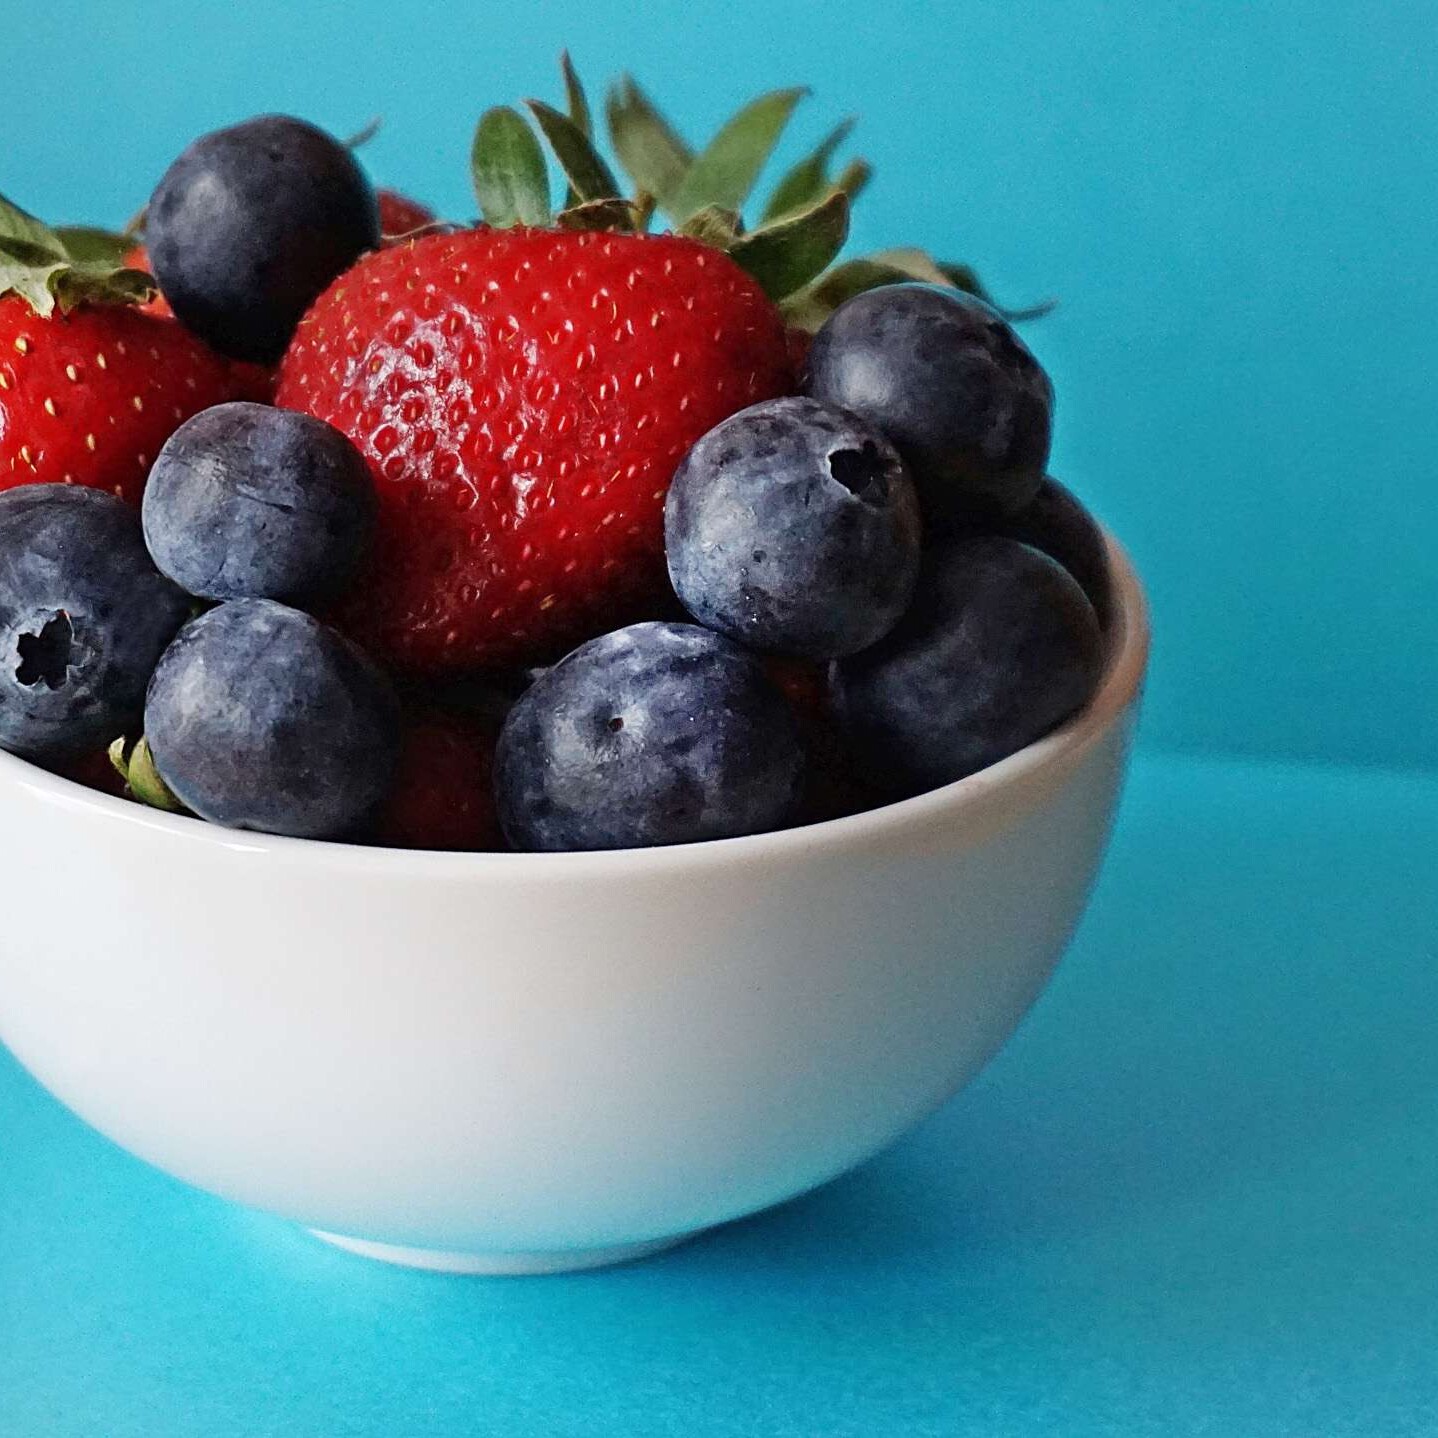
(518, 1063)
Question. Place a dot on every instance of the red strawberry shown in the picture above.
(252, 381)
(443, 796)
(523, 397)
(398, 214)
(90, 396)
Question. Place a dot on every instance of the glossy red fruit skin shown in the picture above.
(443, 796)
(523, 397)
(89, 397)
(398, 214)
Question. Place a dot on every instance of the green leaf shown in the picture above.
(137, 768)
(94, 246)
(713, 226)
(510, 178)
(854, 177)
(575, 97)
(808, 181)
(36, 264)
(725, 172)
(651, 151)
(608, 214)
(20, 227)
(915, 264)
(365, 134)
(962, 277)
(786, 255)
(589, 177)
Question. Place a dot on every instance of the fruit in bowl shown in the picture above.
(715, 578)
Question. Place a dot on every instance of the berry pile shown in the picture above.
(329, 520)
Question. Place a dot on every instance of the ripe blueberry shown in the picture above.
(655, 734)
(247, 501)
(945, 377)
(998, 648)
(84, 617)
(260, 717)
(250, 223)
(792, 527)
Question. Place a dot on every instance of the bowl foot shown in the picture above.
(439, 1260)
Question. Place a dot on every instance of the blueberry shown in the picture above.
(1057, 523)
(999, 646)
(249, 224)
(656, 734)
(84, 617)
(945, 377)
(260, 717)
(246, 501)
(794, 528)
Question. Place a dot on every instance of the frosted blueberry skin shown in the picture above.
(1000, 647)
(84, 618)
(956, 391)
(793, 528)
(250, 223)
(655, 734)
(260, 717)
(249, 501)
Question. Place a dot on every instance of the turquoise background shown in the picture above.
(1198, 1195)
(1234, 203)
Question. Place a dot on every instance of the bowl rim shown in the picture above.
(1129, 638)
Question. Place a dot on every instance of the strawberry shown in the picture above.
(398, 214)
(90, 385)
(523, 396)
(524, 391)
(443, 797)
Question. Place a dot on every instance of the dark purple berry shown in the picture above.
(250, 223)
(655, 734)
(84, 618)
(999, 647)
(248, 501)
(260, 717)
(945, 377)
(793, 528)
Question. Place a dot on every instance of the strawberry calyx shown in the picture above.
(136, 766)
(793, 250)
(66, 267)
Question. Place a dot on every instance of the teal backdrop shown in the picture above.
(1197, 1196)
(1234, 204)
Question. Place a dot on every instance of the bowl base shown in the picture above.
(494, 1265)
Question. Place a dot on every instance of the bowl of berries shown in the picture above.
(522, 741)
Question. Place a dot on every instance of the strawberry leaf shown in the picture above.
(809, 308)
(136, 767)
(650, 150)
(725, 171)
(607, 214)
(575, 97)
(511, 181)
(962, 277)
(365, 134)
(854, 177)
(38, 264)
(713, 226)
(589, 177)
(808, 181)
(785, 255)
(91, 245)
